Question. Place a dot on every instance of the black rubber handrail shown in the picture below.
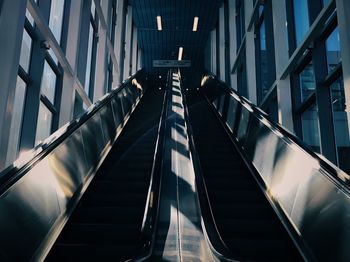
(217, 245)
(336, 174)
(151, 214)
(12, 174)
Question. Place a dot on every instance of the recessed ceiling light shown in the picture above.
(195, 24)
(180, 53)
(159, 23)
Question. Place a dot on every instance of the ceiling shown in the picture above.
(177, 21)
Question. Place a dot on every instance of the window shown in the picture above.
(265, 53)
(263, 60)
(91, 52)
(26, 50)
(43, 128)
(48, 83)
(89, 60)
(307, 82)
(56, 18)
(340, 119)
(55, 22)
(310, 129)
(16, 122)
(240, 22)
(333, 50)
(301, 19)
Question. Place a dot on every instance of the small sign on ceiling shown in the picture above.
(171, 63)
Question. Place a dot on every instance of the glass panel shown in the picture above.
(78, 106)
(341, 127)
(333, 49)
(88, 61)
(30, 18)
(307, 82)
(93, 8)
(309, 121)
(56, 17)
(26, 48)
(48, 83)
(43, 128)
(263, 60)
(301, 19)
(16, 122)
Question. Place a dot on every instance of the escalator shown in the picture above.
(107, 222)
(245, 220)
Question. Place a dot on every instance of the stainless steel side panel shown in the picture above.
(108, 124)
(317, 206)
(231, 113)
(28, 210)
(92, 140)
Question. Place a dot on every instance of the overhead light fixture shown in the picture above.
(195, 23)
(159, 23)
(180, 53)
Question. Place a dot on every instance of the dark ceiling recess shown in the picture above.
(177, 21)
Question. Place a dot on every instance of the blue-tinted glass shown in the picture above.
(333, 49)
(56, 18)
(341, 127)
(48, 83)
(263, 59)
(16, 122)
(43, 129)
(89, 60)
(26, 49)
(311, 133)
(301, 19)
(325, 2)
(261, 10)
(307, 82)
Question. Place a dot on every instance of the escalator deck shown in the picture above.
(245, 220)
(106, 223)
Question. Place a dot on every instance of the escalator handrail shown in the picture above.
(218, 247)
(336, 174)
(14, 172)
(151, 213)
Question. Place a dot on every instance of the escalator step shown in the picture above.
(257, 249)
(240, 228)
(113, 199)
(85, 252)
(243, 210)
(108, 215)
(123, 234)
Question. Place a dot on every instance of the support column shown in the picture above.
(222, 44)
(11, 26)
(139, 58)
(134, 51)
(250, 54)
(284, 101)
(127, 47)
(213, 51)
(119, 43)
(343, 13)
(232, 39)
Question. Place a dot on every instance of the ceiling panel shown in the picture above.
(177, 21)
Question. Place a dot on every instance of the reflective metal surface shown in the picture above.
(179, 236)
(310, 195)
(35, 205)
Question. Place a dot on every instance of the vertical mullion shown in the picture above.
(32, 100)
(323, 98)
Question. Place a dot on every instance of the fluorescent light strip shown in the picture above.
(195, 23)
(180, 53)
(159, 23)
